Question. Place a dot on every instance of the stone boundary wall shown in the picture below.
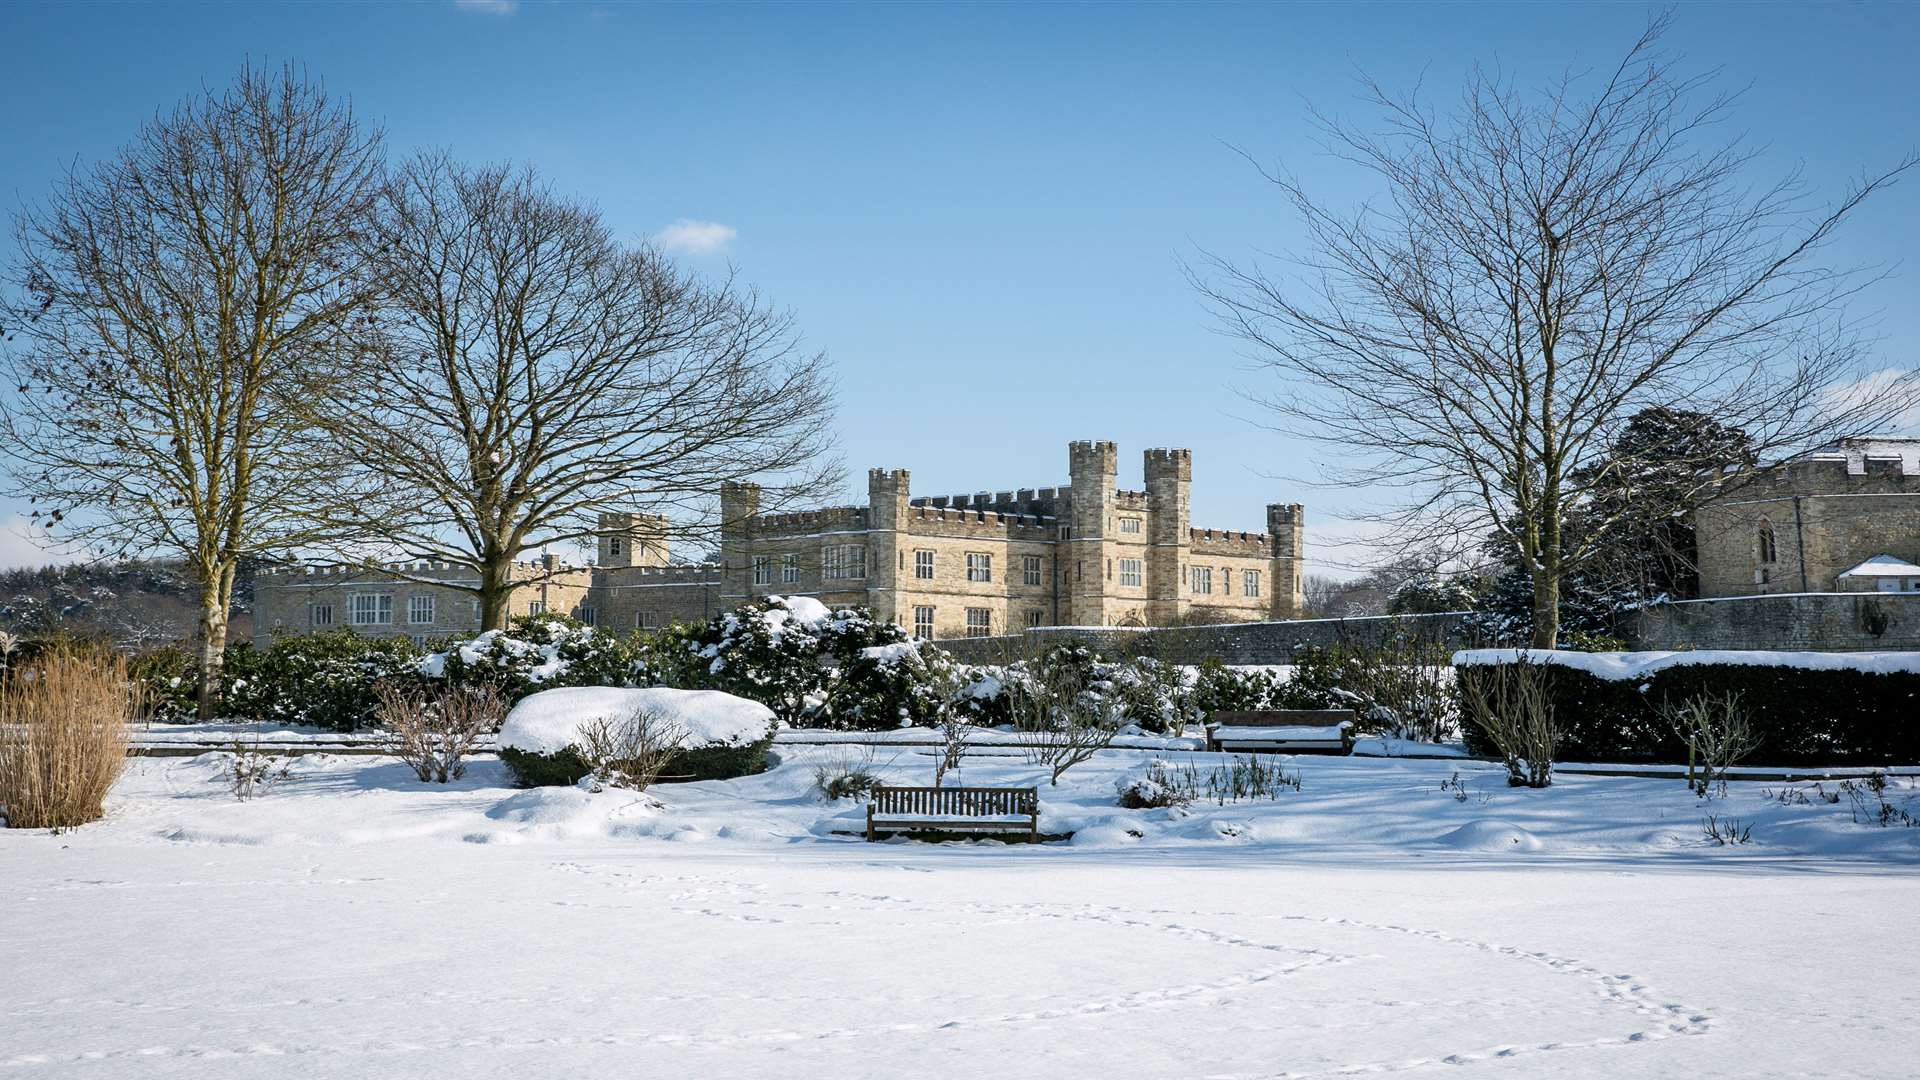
(1231, 643)
(1817, 622)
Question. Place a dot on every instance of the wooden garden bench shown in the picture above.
(954, 810)
(1289, 731)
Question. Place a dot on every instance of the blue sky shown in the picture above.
(977, 210)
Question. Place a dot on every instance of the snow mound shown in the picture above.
(550, 721)
(1491, 835)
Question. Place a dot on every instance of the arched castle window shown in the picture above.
(1763, 543)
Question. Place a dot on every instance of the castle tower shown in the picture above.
(1092, 467)
(1169, 474)
(739, 505)
(887, 521)
(1286, 528)
(630, 539)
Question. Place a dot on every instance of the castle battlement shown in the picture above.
(1229, 542)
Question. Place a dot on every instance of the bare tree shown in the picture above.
(541, 372)
(1513, 703)
(178, 307)
(1065, 723)
(1543, 267)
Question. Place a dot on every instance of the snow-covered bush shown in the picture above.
(1148, 693)
(534, 652)
(325, 679)
(836, 669)
(847, 775)
(1218, 688)
(1148, 786)
(725, 736)
(1142, 691)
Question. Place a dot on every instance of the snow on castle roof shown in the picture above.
(1883, 566)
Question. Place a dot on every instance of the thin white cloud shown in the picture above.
(1887, 390)
(26, 545)
(488, 7)
(696, 237)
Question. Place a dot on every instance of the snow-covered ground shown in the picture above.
(355, 923)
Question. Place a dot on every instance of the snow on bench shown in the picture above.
(954, 810)
(1283, 730)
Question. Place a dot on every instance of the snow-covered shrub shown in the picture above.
(847, 775)
(1429, 594)
(1401, 686)
(325, 679)
(1140, 691)
(1162, 783)
(768, 651)
(433, 732)
(1067, 722)
(726, 736)
(1148, 693)
(534, 652)
(980, 693)
(836, 669)
(891, 683)
(1148, 786)
(1218, 688)
(667, 657)
(252, 771)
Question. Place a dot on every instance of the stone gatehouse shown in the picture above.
(1085, 553)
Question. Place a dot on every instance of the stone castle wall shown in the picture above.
(1824, 514)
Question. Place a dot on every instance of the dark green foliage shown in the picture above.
(325, 679)
(1803, 716)
(566, 767)
(169, 678)
(718, 762)
(563, 769)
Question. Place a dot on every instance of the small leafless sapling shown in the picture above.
(434, 733)
(1511, 703)
(1715, 729)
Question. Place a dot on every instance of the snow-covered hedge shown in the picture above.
(816, 667)
(726, 736)
(1809, 708)
(535, 652)
(1145, 692)
(325, 679)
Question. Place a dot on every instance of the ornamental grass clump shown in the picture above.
(63, 737)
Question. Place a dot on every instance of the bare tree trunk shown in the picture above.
(216, 614)
(496, 590)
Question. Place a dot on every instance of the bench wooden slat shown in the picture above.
(953, 809)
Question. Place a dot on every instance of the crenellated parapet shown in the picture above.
(1229, 542)
(803, 522)
(943, 521)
